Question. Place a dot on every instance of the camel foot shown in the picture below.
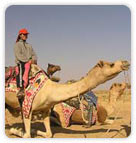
(16, 132)
(44, 134)
(19, 133)
(26, 135)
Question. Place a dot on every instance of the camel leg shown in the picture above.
(16, 132)
(48, 133)
(27, 124)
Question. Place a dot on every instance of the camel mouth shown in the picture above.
(125, 66)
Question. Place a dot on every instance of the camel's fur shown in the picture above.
(52, 93)
(116, 91)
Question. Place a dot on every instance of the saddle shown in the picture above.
(10, 72)
(87, 104)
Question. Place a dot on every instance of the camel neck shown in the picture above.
(67, 91)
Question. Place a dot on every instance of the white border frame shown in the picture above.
(129, 3)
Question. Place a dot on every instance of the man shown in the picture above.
(24, 56)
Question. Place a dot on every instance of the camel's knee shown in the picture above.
(49, 135)
(26, 135)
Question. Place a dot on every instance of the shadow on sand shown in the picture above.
(57, 129)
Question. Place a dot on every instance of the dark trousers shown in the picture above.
(19, 77)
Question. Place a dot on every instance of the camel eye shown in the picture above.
(111, 65)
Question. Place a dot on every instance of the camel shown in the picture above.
(76, 115)
(10, 72)
(51, 70)
(116, 91)
(53, 93)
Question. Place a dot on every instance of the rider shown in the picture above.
(24, 57)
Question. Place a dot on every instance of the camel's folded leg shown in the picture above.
(107, 121)
(53, 119)
(27, 124)
(48, 133)
(16, 132)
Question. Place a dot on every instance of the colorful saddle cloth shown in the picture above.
(67, 112)
(35, 84)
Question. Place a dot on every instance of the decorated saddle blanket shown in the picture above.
(35, 84)
(67, 112)
(69, 106)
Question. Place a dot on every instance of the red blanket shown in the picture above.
(35, 84)
(67, 111)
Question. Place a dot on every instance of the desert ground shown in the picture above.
(120, 128)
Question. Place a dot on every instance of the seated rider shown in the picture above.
(24, 57)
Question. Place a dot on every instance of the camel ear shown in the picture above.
(49, 64)
(112, 64)
(101, 64)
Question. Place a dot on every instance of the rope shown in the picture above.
(82, 107)
(113, 122)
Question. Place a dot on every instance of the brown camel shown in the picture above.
(51, 70)
(52, 93)
(116, 91)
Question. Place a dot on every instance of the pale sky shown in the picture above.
(74, 37)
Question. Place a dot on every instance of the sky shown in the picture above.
(74, 37)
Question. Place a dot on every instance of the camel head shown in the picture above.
(52, 69)
(108, 70)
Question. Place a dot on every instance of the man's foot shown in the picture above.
(20, 94)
